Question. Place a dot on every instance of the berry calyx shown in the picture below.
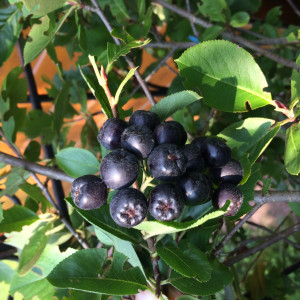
(228, 191)
(88, 192)
(119, 169)
(232, 172)
(196, 187)
(215, 152)
(166, 162)
(144, 118)
(170, 132)
(128, 207)
(138, 140)
(166, 202)
(109, 135)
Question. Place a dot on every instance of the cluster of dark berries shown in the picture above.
(179, 168)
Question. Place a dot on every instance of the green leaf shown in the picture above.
(128, 42)
(37, 124)
(33, 151)
(248, 191)
(8, 124)
(243, 135)
(34, 284)
(33, 249)
(262, 144)
(80, 271)
(17, 217)
(224, 67)
(295, 207)
(16, 177)
(77, 162)
(152, 228)
(220, 277)
(292, 149)
(101, 218)
(190, 263)
(10, 29)
(61, 104)
(121, 86)
(1, 213)
(6, 274)
(120, 245)
(97, 91)
(43, 6)
(79, 295)
(8, 89)
(211, 33)
(170, 104)
(36, 194)
(41, 35)
(214, 9)
(295, 87)
(240, 19)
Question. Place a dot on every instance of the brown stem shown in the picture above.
(50, 172)
(274, 238)
(155, 266)
(235, 229)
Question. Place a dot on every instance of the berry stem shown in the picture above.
(155, 266)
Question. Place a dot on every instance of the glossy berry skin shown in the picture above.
(196, 187)
(128, 207)
(198, 141)
(232, 172)
(109, 135)
(170, 132)
(138, 140)
(166, 202)
(119, 169)
(89, 192)
(215, 152)
(228, 191)
(144, 118)
(166, 162)
(195, 159)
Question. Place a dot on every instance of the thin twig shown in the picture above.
(226, 239)
(229, 35)
(50, 172)
(98, 11)
(188, 7)
(170, 45)
(295, 245)
(274, 238)
(277, 196)
(294, 7)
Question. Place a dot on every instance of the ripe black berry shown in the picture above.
(144, 118)
(138, 140)
(215, 152)
(128, 207)
(88, 192)
(232, 172)
(166, 202)
(166, 162)
(228, 191)
(195, 159)
(170, 132)
(196, 187)
(119, 169)
(109, 135)
(198, 141)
